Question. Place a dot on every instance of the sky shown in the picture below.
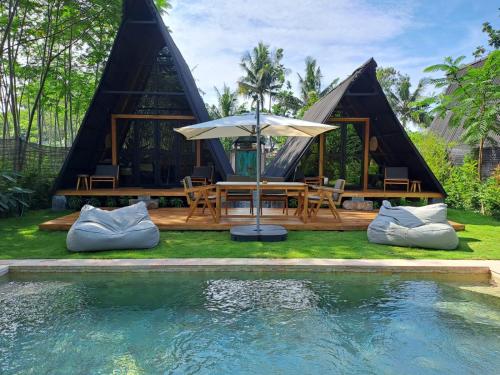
(409, 35)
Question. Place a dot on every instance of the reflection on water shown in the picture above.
(233, 296)
(202, 323)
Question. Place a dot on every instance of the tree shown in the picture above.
(286, 104)
(493, 40)
(474, 100)
(310, 84)
(52, 54)
(227, 103)
(264, 73)
(410, 106)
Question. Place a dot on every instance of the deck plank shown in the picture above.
(179, 192)
(175, 219)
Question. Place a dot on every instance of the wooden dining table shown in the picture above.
(223, 186)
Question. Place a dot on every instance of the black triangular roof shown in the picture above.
(140, 37)
(398, 148)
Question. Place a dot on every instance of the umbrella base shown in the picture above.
(267, 233)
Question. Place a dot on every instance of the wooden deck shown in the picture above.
(179, 192)
(175, 219)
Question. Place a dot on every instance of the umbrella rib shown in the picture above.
(202, 132)
(244, 129)
(310, 135)
(265, 127)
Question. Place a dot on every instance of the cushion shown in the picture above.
(124, 228)
(425, 227)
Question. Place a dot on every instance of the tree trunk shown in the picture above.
(480, 158)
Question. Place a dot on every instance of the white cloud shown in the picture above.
(340, 34)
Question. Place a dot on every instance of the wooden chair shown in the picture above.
(326, 195)
(311, 181)
(105, 173)
(196, 195)
(396, 176)
(240, 195)
(270, 195)
(203, 175)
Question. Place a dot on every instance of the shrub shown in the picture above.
(163, 202)
(176, 202)
(13, 198)
(123, 201)
(110, 202)
(463, 186)
(490, 197)
(41, 186)
(435, 152)
(94, 202)
(75, 203)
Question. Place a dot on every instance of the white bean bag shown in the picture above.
(124, 228)
(425, 227)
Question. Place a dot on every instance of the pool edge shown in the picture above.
(254, 264)
(4, 270)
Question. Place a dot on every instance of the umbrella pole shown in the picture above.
(258, 167)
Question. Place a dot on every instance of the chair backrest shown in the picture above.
(312, 181)
(396, 172)
(340, 185)
(206, 171)
(272, 179)
(107, 170)
(188, 184)
(238, 178)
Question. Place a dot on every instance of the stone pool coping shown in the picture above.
(491, 267)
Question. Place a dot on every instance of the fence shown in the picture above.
(40, 159)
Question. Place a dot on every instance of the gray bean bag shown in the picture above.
(425, 227)
(124, 228)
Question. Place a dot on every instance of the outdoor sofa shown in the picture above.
(425, 227)
(124, 228)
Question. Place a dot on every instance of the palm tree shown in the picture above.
(409, 106)
(310, 84)
(276, 75)
(264, 73)
(227, 103)
(257, 66)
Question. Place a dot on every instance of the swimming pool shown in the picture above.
(244, 323)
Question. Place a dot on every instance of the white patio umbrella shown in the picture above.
(254, 124)
(246, 124)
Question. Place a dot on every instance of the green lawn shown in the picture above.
(20, 238)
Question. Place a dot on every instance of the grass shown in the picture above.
(21, 239)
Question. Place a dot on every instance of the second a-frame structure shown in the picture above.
(145, 92)
(369, 140)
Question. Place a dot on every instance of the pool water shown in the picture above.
(244, 323)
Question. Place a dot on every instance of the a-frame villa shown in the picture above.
(369, 140)
(145, 92)
(142, 97)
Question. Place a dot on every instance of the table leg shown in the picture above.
(217, 204)
(209, 205)
(305, 209)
